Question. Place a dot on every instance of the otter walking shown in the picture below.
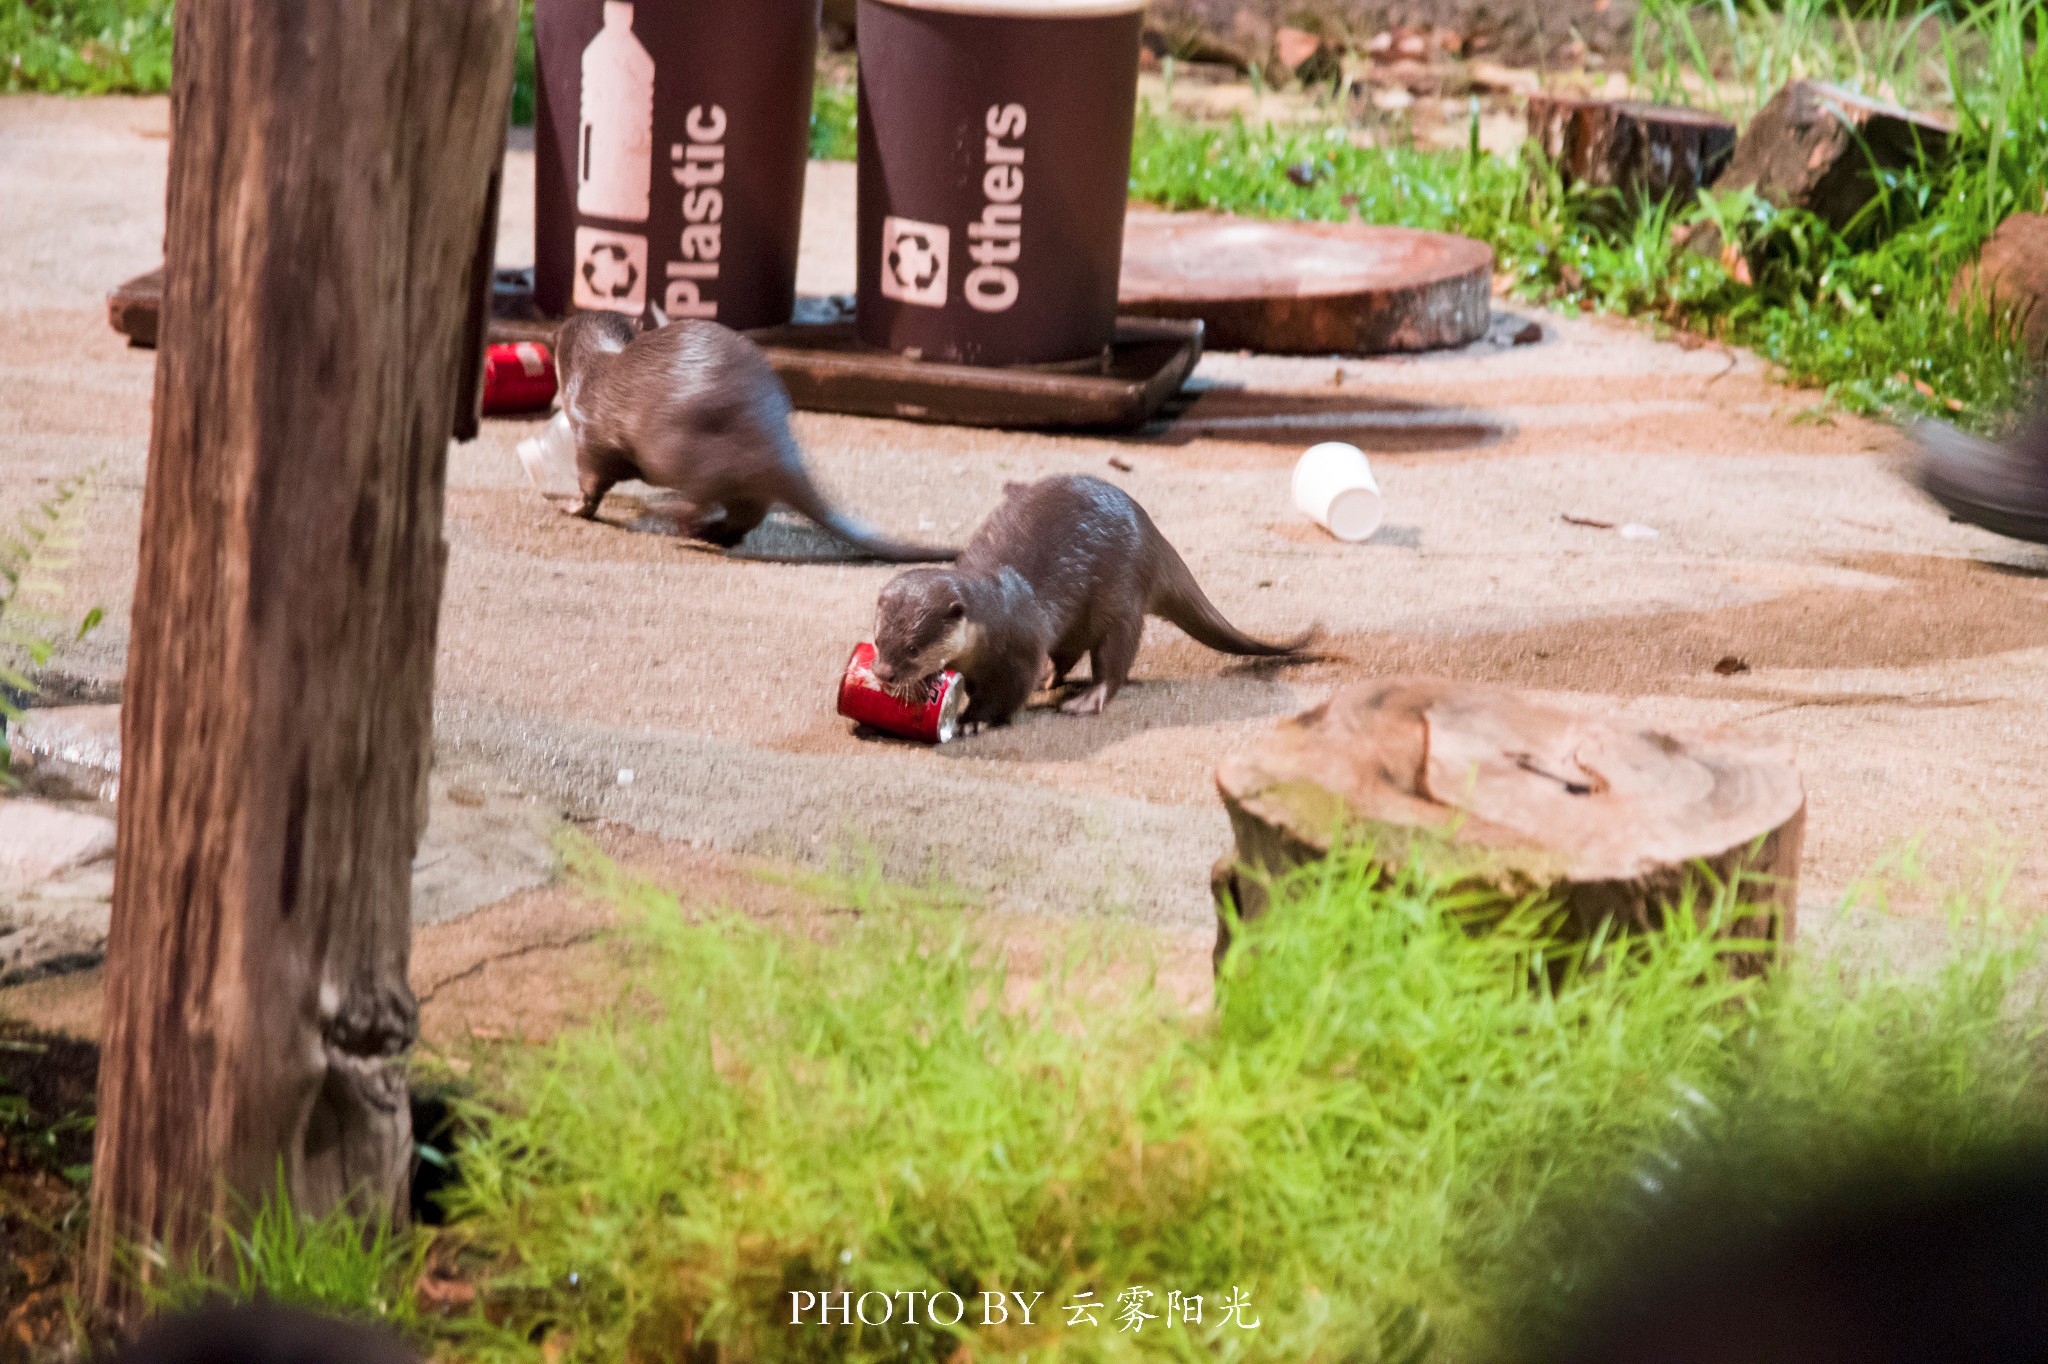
(694, 407)
(1064, 567)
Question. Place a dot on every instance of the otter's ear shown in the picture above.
(957, 611)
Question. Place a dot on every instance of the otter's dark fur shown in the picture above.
(694, 407)
(1064, 567)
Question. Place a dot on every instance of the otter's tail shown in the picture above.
(1180, 599)
(803, 496)
(873, 543)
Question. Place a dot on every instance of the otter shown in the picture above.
(2003, 488)
(696, 408)
(1064, 567)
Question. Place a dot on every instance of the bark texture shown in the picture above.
(327, 190)
(1307, 288)
(1518, 798)
(1824, 149)
(1646, 151)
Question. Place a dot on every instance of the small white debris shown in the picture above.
(1636, 530)
(625, 776)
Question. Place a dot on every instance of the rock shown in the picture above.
(1524, 34)
(1306, 57)
(478, 848)
(1410, 76)
(1814, 145)
(1646, 151)
(1488, 77)
(68, 752)
(2011, 273)
(57, 926)
(1295, 47)
(1201, 31)
(1514, 797)
(39, 841)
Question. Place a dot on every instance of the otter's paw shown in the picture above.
(1089, 702)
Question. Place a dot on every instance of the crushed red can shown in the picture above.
(518, 378)
(931, 715)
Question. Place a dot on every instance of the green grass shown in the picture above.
(1385, 1124)
(98, 47)
(43, 542)
(833, 134)
(332, 1264)
(92, 47)
(1864, 314)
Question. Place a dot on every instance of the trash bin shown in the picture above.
(995, 160)
(670, 143)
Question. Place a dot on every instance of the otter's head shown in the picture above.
(921, 627)
(584, 337)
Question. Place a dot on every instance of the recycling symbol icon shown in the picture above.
(610, 272)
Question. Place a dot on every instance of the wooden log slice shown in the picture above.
(1819, 147)
(132, 307)
(1308, 288)
(1519, 797)
(1647, 151)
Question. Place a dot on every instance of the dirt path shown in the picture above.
(1904, 655)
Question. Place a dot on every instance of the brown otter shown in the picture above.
(1064, 567)
(694, 407)
(2003, 488)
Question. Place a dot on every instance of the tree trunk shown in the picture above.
(1646, 151)
(327, 184)
(1518, 798)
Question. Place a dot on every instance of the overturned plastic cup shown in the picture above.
(1334, 487)
(550, 459)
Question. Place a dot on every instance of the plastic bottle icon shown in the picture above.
(615, 144)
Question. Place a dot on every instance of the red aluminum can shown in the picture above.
(518, 378)
(932, 715)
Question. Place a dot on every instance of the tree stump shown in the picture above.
(1307, 288)
(1822, 148)
(329, 165)
(2011, 276)
(1518, 797)
(1648, 152)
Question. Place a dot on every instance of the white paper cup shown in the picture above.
(550, 459)
(1334, 487)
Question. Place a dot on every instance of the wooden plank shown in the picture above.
(826, 370)
(132, 307)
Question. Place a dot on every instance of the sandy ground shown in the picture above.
(1902, 654)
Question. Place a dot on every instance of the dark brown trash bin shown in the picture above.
(670, 146)
(995, 160)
